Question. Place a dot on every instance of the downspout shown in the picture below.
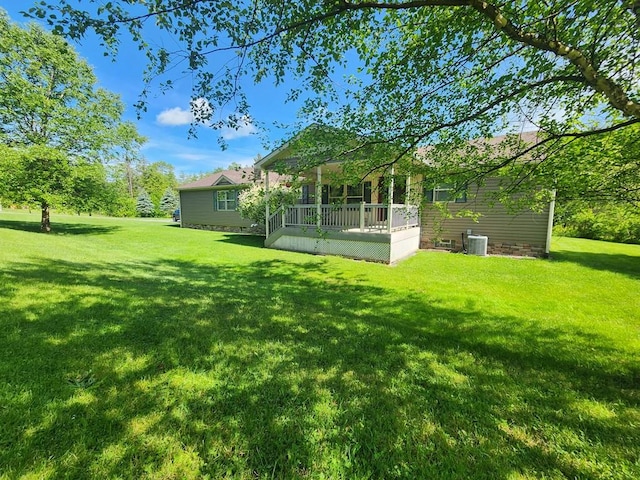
(552, 207)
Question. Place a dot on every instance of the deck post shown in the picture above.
(407, 200)
(319, 197)
(552, 206)
(266, 196)
(284, 223)
(362, 216)
(390, 206)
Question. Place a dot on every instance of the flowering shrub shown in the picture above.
(252, 201)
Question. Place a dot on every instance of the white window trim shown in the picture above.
(446, 189)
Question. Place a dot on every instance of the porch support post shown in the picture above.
(552, 207)
(362, 216)
(407, 200)
(390, 206)
(266, 196)
(319, 197)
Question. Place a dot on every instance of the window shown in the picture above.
(307, 194)
(399, 190)
(339, 194)
(226, 200)
(359, 193)
(446, 192)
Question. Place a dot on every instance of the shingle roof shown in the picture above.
(242, 176)
(525, 140)
(236, 177)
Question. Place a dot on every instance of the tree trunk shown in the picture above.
(45, 223)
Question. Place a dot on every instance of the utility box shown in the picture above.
(477, 245)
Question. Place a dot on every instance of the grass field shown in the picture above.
(136, 349)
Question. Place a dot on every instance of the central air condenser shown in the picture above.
(477, 245)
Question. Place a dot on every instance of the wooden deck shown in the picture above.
(382, 233)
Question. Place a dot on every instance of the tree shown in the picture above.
(144, 205)
(169, 201)
(54, 119)
(156, 178)
(128, 155)
(415, 72)
(89, 187)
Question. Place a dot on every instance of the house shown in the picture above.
(376, 219)
(380, 219)
(210, 203)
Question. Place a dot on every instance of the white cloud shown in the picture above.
(199, 110)
(174, 117)
(244, 128)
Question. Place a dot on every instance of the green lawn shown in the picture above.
(136, 349)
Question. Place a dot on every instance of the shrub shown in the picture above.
(252, 201)
(609, 222)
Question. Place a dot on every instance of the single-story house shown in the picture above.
(211, 203)
(372, 220)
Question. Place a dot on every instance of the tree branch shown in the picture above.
(611, 90)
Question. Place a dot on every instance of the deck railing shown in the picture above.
(363, 217)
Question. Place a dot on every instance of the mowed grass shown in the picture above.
(136, 349)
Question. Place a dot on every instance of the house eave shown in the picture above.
(233, 186)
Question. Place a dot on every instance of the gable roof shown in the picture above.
(513, 142)
(231, 178)
(224, 178)
(523, 139)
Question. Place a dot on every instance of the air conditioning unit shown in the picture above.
(477, 245)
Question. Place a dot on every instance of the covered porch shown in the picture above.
(343, 220)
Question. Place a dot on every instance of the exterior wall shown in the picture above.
(197, 211)
(523, 234)
(404, 243)
(374, 247)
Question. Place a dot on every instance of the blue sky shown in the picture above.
(167, 119)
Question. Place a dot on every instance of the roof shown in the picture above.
(223, 178)
(314, 129)
(524, 140)
(227, 178)
(513, 143)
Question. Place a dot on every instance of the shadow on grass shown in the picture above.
(618, 263)
(256, 241)
(287, 370)
(58, 228)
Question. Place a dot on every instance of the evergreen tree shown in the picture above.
(144, 204)
(169, 201)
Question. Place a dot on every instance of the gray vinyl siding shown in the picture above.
(501, 226)
(197, 208)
